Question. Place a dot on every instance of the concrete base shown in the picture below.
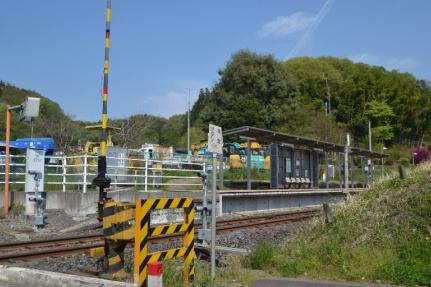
(40, 278)
(242, 200)
(77, 203)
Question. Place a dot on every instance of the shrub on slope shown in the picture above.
(382, 234)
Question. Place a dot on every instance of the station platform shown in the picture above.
(77, 203)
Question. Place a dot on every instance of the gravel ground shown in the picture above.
(240, 239)
(20, 228)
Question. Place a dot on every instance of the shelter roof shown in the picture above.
(279, 137)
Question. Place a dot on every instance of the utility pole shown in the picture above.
(188, 124)
(213, 217)
(346, 162)
(370, 147)
(328, 94)
(369, 136)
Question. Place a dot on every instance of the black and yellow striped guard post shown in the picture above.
(143, 231)
(118, 231)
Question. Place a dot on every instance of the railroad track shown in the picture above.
(71, 245)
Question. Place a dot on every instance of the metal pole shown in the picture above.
(101, 180)
(328, 94)
(340, 174)
(146, 175)
(213, 217)
(352, 172)
(31, 125)
(205, 199)
(188, 125)
(84, 187)
(327, 171)
(363, 180)
(369, 136)
(248, 164)
(64, 173)
(346, 162)
(6, 176)
(370, 147)
(221, 172)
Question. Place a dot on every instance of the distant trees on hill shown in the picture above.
(259, 90)
(290, 96)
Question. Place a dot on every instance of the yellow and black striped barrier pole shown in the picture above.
(101, 180)
(143, 231)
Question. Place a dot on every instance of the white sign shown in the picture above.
(35, 164)
(215, 139)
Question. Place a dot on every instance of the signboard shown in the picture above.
(215, 139)
(35, 163)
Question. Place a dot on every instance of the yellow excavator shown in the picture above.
(92, 147)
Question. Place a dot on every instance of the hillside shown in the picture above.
(259, 90)
(384, 234)
(52, 122)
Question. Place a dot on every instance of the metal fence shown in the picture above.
(78, 171)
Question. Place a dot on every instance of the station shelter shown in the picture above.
(295, 159)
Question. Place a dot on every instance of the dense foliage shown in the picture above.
(259, 90)
(382, 234)
(290, 96)
(52, 122)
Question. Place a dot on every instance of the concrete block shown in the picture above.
(41, 278)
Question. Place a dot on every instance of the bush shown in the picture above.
(411, 266)
(17, 208)
(261, 255)
(420, 154)
(381, 234)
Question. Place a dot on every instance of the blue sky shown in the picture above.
(161, 48)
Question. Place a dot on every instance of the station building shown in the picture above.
(295, 160)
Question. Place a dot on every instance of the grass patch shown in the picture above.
(261, 255)
(381, 235)
(241, 174)
(230, 275)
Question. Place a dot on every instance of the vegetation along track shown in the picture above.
(72, 245)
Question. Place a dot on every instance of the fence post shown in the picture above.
(146, 174)
(116, 178)
(84, 187)
(136, 179)
(64, 163)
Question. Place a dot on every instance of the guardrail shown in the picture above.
(79, 171)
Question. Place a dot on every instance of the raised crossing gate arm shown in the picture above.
(143, 230)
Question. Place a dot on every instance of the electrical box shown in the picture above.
(35, 163)
(30, 109)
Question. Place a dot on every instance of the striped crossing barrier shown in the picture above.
(118, 231)
(143, 231)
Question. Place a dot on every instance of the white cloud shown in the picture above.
(311, 28)
(401, 64)
(298, 22)
(287, 25)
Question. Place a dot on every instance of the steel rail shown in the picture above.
(88, 242)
